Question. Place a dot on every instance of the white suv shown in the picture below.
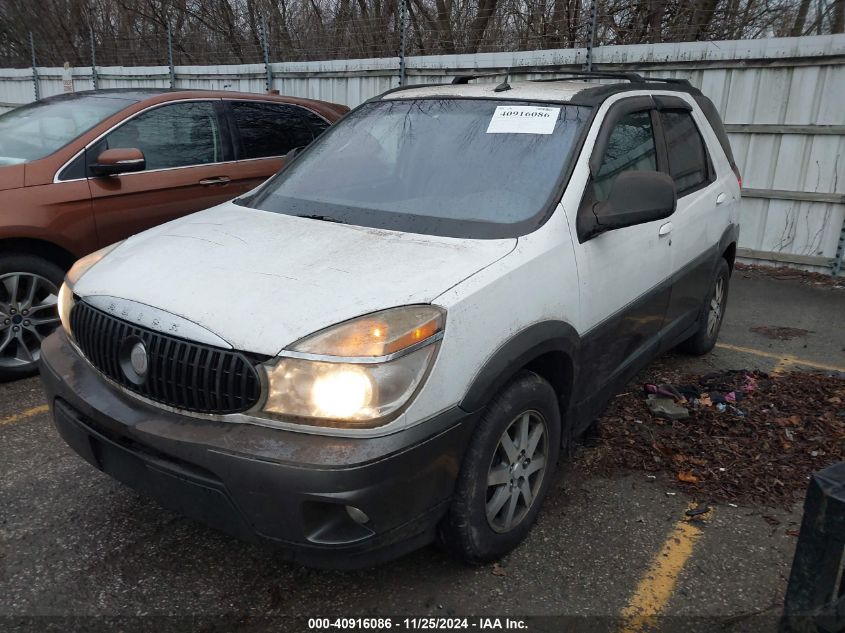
(390, 341)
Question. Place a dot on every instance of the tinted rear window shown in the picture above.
(687, 156)
(273, 129)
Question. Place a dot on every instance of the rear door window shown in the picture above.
(273, 129)
(173, 135)
(688, 164)
(630, 148)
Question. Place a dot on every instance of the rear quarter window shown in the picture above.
(715, 121)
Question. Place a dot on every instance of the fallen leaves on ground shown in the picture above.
(687, 477)
(793, 427)
(783, 273)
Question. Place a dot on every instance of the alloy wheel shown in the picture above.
(714, 316)
(516, 471)
(28, 313)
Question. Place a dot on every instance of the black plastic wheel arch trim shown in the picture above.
(520, 350)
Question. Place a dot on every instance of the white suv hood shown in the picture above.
(263, 280)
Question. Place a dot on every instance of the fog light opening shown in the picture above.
(357, 515)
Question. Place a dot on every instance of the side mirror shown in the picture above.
(636, 197)
(120, 160)
(291, 155)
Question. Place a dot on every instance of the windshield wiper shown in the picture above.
(323, 218)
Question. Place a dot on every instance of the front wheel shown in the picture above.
(712, 314)
(506, 472)
(29, 289)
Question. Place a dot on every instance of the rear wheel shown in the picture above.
(29, 288)
(506, 472)
(712, 314)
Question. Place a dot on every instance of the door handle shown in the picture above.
(219, 180)
(721, 198)
(665, 229)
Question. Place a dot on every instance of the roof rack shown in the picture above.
(670, 80)
(465, 79)
(595, 94)
(598, 74)
(572, 74)
(629, 76)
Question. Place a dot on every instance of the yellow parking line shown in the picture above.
(749, 350)
(822, 366)
(657, 585)
(786, 360)
(23, 415)
(782, 366)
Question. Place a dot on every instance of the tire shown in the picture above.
(25, 319)
(714, 306)
(466, 532)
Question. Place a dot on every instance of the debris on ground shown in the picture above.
(756, 271)
(688, 477)
(780, 333)
(719, 390)
(701, 508)
(666, 408)
(749, 438)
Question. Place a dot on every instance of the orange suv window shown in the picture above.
(173, 135)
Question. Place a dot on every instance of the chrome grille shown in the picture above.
(180, 374)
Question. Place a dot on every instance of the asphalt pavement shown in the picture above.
(73, 542)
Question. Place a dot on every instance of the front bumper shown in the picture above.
(260, 483)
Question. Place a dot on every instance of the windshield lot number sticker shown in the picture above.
(523, 120)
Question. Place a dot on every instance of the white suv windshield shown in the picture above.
(455, 167)
(39, 129)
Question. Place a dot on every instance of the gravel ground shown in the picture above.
(759, 451)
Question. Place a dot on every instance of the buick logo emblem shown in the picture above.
(134, 360)
(138, 358)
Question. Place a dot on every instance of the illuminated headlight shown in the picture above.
(357, 374)
(85, 264)
(76, 271)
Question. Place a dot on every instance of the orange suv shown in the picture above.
(83, 170)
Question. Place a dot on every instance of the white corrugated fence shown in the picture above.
(782, 100)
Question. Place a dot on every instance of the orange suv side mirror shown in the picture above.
(120, 160)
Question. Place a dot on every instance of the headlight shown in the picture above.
(83, 265)
(357, 374)
(65, 306)
(76, 271)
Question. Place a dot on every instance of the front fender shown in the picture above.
(520, 350)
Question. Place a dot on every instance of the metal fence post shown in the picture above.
(170, 58)
(35, 83)
(265, 46)
(94, 79)
(840, 251)
(588, 66)
(403, 11)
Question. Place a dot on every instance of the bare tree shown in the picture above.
(800, 18)
(133, 32)
(838, 22)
